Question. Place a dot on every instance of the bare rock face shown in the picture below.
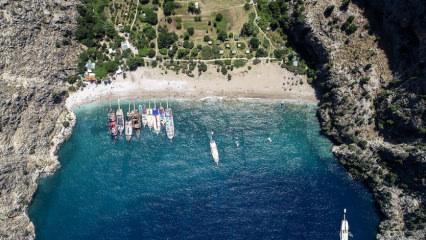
(36, 55)
(375, 121)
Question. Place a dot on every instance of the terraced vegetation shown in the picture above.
(182, 34)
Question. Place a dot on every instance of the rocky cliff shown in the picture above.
(370, 57)
(36, 52)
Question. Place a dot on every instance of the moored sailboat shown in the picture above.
(170, 126)
(120, 119)
(112, 124)
(136, 120)
(129, 127)
(150, 117)
(156, 115)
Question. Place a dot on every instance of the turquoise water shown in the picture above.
(153, 188)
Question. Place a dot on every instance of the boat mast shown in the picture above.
(119, 104)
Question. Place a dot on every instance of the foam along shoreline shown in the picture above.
(263, 81)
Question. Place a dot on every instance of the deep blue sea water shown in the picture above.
(152, 188)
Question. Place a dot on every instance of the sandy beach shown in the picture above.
(265, 81)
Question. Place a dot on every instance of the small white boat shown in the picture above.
(120, 119)
(157, 123)
(129, 125)
(142, 111)
(149, 116)
(214, 151)
(344, 227)
(170, 125)
(129, 130)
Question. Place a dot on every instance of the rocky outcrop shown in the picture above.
(36, 52)
(356, 84)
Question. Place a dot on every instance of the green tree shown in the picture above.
(219, 17)
(169, 7)
(254, 43)
(222, 36)
(190, 31)
(166, 39)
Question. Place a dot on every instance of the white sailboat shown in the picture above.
(129, 127)
(120, 119)
(213, 149)
(156, 115)
(150, 117)
(344, 227)
(170, 125)
(142, 111)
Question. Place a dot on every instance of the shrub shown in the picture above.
(219, 17)
(254, 42)
(223, 70)
(256, 61)
(190, 31)
(261, 52)
(246, 6)
(222, 36)
(66, 124)
(202, 67)
(329, 10)
(240, 63)
(345, 5)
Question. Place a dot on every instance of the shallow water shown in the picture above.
(152, 188)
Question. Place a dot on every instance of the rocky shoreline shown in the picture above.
(354, 72)
(36, 52)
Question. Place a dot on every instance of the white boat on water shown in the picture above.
(142, 111)
(157, 123)
(149, 116)
(344, 227)
(170, 125)
(129, 125)
(214, 151)
(120, 119)
(129, 131)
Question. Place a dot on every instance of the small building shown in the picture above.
(248, 51)
(227, 45)
(234, 52)
(90, 77)
(238, 45)
(111, 51)
(90, 66)
(295, 63)
(124, 45)
(210, 42)
(196, 5)
(221, 52)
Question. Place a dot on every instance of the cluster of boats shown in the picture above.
(132, 123)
